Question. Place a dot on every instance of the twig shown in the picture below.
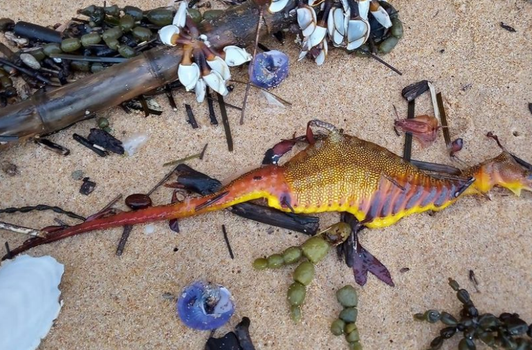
(182, 160)
(21, 229)
(257, 32)
(443, 118)
(226, 239)
(380, 60)
(123, 239)
(190, 117)
(407, 151)
(28, 72)
(225, 122)
(89, 58)
(212, 115)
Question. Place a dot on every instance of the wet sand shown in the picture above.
(484, 74)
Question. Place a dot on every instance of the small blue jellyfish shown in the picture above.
(269, 69)
(205, 306)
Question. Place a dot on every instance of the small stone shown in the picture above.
(77, 175)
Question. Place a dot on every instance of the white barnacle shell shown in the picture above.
(306, 18)
(382, 17)
(218, 65)
(363, 8)
(215, 81)
(277, 5)
(29, 300)
(166, 33)
(236, 56)
(181, 15)
(188, 75)
(357, 33)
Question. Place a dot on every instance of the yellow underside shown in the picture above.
(375, 223)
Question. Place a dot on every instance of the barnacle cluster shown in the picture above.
(311, 252)
(507, 331)
(346, 23)
(201, 66)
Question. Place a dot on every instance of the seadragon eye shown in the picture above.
(205, 306)
(269, 69)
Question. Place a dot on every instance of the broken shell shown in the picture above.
(269, 69)
(205, 306)
(29, 300)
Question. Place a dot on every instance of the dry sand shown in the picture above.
(484, 73)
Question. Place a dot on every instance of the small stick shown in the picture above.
(21, 229)
(226, 239)
(52, 146)
(407, 151)
(225, 122)
(8, 251)
(28, 72)
(108, 206)
(212, 115)
(433, 98)
(170, 96)
(191, 119)
(182, 160)
(123, 239)
(89, 58)
(443, 118)
(257, 34)
(144, 105)
(380, 60)
(225, 103)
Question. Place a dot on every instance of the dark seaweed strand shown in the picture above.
(41, 207)
(225, 122)
(123, 239)
(407, 151)
(443, 116)
(212, 115)
(226, 239)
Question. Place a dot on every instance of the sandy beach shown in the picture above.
(484, 74)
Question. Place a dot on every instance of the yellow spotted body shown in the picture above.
(344, 173)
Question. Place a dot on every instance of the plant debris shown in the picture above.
(190, 117)
(507, 27)
(412, 91)
(506, 331)
(42, 207)
(237, 340)
(102, 138)
(96, 149)
(87, 187)
(52, 146)
(226, 239)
